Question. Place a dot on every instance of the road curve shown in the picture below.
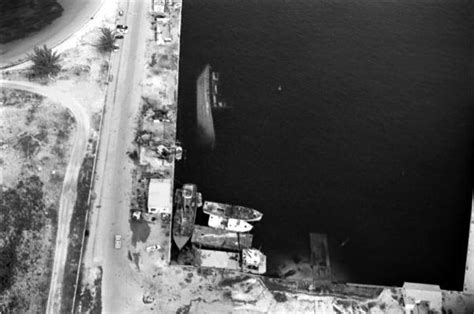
(68, 192)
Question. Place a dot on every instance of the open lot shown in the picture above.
(35, 139)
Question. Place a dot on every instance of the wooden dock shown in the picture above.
(320, 262)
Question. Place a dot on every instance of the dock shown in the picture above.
(320, 262)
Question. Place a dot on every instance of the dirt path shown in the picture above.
(68, 193)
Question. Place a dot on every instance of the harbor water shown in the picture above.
(350, 118)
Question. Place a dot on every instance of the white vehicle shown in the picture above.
(118, 241)
(136, 215)
(153, 248)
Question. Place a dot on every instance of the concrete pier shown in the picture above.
(469, 272)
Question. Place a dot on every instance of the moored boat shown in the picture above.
(187, 200)
(229, 224)
(232, 211)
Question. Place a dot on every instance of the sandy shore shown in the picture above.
(75, 15)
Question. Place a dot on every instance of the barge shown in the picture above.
(248, 260)
(220, 239)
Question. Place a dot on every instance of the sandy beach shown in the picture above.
(75, 15)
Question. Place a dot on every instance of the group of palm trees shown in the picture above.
(46, 61)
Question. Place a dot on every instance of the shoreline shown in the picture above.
(75, 15)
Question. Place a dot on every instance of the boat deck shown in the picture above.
(221, 239)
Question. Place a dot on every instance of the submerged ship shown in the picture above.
(232, 211)
(207, 99)
(230, 224)
(221, 239)
(187, 200)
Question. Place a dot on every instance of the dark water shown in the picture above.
(369, 139)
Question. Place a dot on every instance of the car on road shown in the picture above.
(118, 241)
(121, 12)
(153, 248)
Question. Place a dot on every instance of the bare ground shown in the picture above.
(35, 142)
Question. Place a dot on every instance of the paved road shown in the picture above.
(76, 14)
(113, 184)
(68, 193)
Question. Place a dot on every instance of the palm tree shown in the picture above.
(106, 40)
(45, 61)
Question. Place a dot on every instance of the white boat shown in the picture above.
(231, 211)
(231, 224)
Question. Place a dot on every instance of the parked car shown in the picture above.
(116, 48)
(122, 28)
(153, 248)
(118, 36)
(118, 241)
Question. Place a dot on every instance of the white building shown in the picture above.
(160, 196)
(416, 294)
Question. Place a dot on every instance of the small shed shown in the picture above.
(160, 196)
(416, 295)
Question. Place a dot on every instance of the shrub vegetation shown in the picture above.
(45, 61)
(106, 40)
